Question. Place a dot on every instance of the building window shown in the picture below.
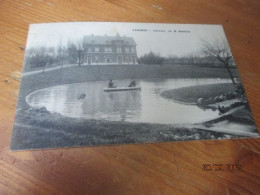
(96, 59)
(108, 49)
(108, 58)
(126, 49)
(133, 58)
(133, 49)
(119, 49)
(97, 49)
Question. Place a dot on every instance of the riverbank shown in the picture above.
(242, 117)
(190, 95)
(41, 129)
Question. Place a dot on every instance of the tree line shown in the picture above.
(43, 57)
(192, 59)
(217, 54)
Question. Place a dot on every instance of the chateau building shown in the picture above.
(99, 50)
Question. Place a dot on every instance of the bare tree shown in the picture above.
(80, 53)
(72, 53)
(221, 51)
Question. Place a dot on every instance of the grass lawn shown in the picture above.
(41, 129)
(192, 94)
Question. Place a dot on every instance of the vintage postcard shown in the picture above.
(88, 84)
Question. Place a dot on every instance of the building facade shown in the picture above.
(103, 50)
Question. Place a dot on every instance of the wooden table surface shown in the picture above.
(161, 168)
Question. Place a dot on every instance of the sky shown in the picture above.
(158, 38)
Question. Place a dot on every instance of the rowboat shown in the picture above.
(122, 89)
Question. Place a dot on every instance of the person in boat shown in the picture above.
(132, 84)
(111, 84)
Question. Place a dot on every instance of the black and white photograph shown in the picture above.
(105, 83)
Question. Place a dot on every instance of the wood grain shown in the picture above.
(162, 168)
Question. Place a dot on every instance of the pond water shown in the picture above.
(145, 105)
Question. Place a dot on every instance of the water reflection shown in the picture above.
(134, 106)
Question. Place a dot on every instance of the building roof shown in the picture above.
(107, 40)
